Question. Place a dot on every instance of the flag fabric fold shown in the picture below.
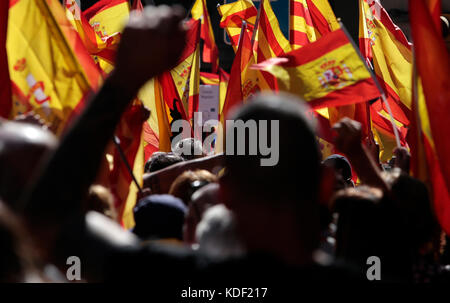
(199, 11)
(431, 107)
(232, 16)
(328, 72)
(49, 66)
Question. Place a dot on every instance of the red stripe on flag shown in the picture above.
(394, 29)
(298, 9)
(317, 49)
(362, 91)
(101, 6)
(237, 18)
(320, 23)
(441, 196)
(298, 38)
(192, 39)
(272, 40)
(433, 64)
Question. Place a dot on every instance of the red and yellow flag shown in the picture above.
(103, 48)
(309, 20)
(382, 41)
(301, 25)
(232, 16)
(271, 43)
(169, 95)
(199, 11)
(49, 66)
(328, 72)
(5, 88)
(433, 63)
(186, 75)
(108, 18)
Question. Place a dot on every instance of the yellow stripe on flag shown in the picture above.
(42, 63)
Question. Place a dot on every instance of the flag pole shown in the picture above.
(380, 89)
(124, 159)
(255, 27)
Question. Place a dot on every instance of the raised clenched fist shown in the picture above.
(348, 139)
(151, 43)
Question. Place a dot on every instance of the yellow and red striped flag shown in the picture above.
(429, 145)
(186, 75)
(235, 91)
(382, 41)
(328, 72)
(48, 63)
(108, 18)
(199, 11)
(93, 43)
(232, 16)
(270, 43)
(5, 88)
(301, 25)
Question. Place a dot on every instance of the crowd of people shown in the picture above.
(205, 218)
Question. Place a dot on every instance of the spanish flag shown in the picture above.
(328, 72)
(5, 89)
(431, 104)
(186, 75)
(48, 63)
(382, 41)
(108, 18)
(232, 16)
(95, 45)
(236, 87)
(199, 11)
(168, 95)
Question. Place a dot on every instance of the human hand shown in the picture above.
(373, 148)
(402, 157)
(348, 139)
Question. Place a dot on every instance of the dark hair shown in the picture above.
(411, 197)
(295, 179)
(15, 257)
(297, 173)
(160, 160)
(370, 224)
(159, 217)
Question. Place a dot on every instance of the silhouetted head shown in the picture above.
(342, 170)
(188, 182)
(22, 147)
(100, 199)
(160, 160)
(201, 200)
(371, 224)
(189, 149)
(281, 192)
(159, 217)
